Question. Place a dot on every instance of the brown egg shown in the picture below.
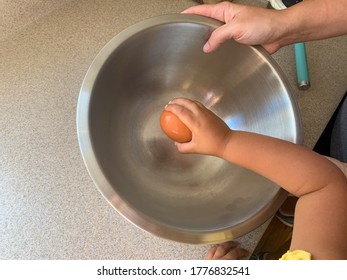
(174, 128)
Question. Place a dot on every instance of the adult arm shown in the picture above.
(306, 21)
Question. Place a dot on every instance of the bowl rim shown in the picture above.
(141, 220)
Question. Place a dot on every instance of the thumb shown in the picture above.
(217, 37)
(271, 48)
(184, 148)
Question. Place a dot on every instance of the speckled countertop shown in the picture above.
(49, 206)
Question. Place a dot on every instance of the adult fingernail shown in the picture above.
(207, 47)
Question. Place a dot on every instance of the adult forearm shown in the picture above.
(314, 20)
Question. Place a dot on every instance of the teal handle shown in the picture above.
(303, 78)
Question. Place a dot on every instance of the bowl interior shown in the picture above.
(143, 175)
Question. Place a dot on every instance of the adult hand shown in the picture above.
(210, 134)
(245, 24)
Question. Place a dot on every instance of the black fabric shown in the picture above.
(328, 146)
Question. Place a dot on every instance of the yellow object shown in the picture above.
(296, 255)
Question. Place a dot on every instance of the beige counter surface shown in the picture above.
(49, 206)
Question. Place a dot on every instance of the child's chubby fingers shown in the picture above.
(184, 109)
(193, 105)
(187, 111)
(186, 148)
(211, 252)
(226, 251)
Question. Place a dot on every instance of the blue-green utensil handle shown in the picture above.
(302, 73)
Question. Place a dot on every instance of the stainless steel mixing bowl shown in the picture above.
(187, 198)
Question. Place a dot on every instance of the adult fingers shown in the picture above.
(216, 11)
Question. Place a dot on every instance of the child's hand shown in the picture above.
(210, 134)
(226, 251)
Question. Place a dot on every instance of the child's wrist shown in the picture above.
(224, 143)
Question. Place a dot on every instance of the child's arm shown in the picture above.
(320, 225)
